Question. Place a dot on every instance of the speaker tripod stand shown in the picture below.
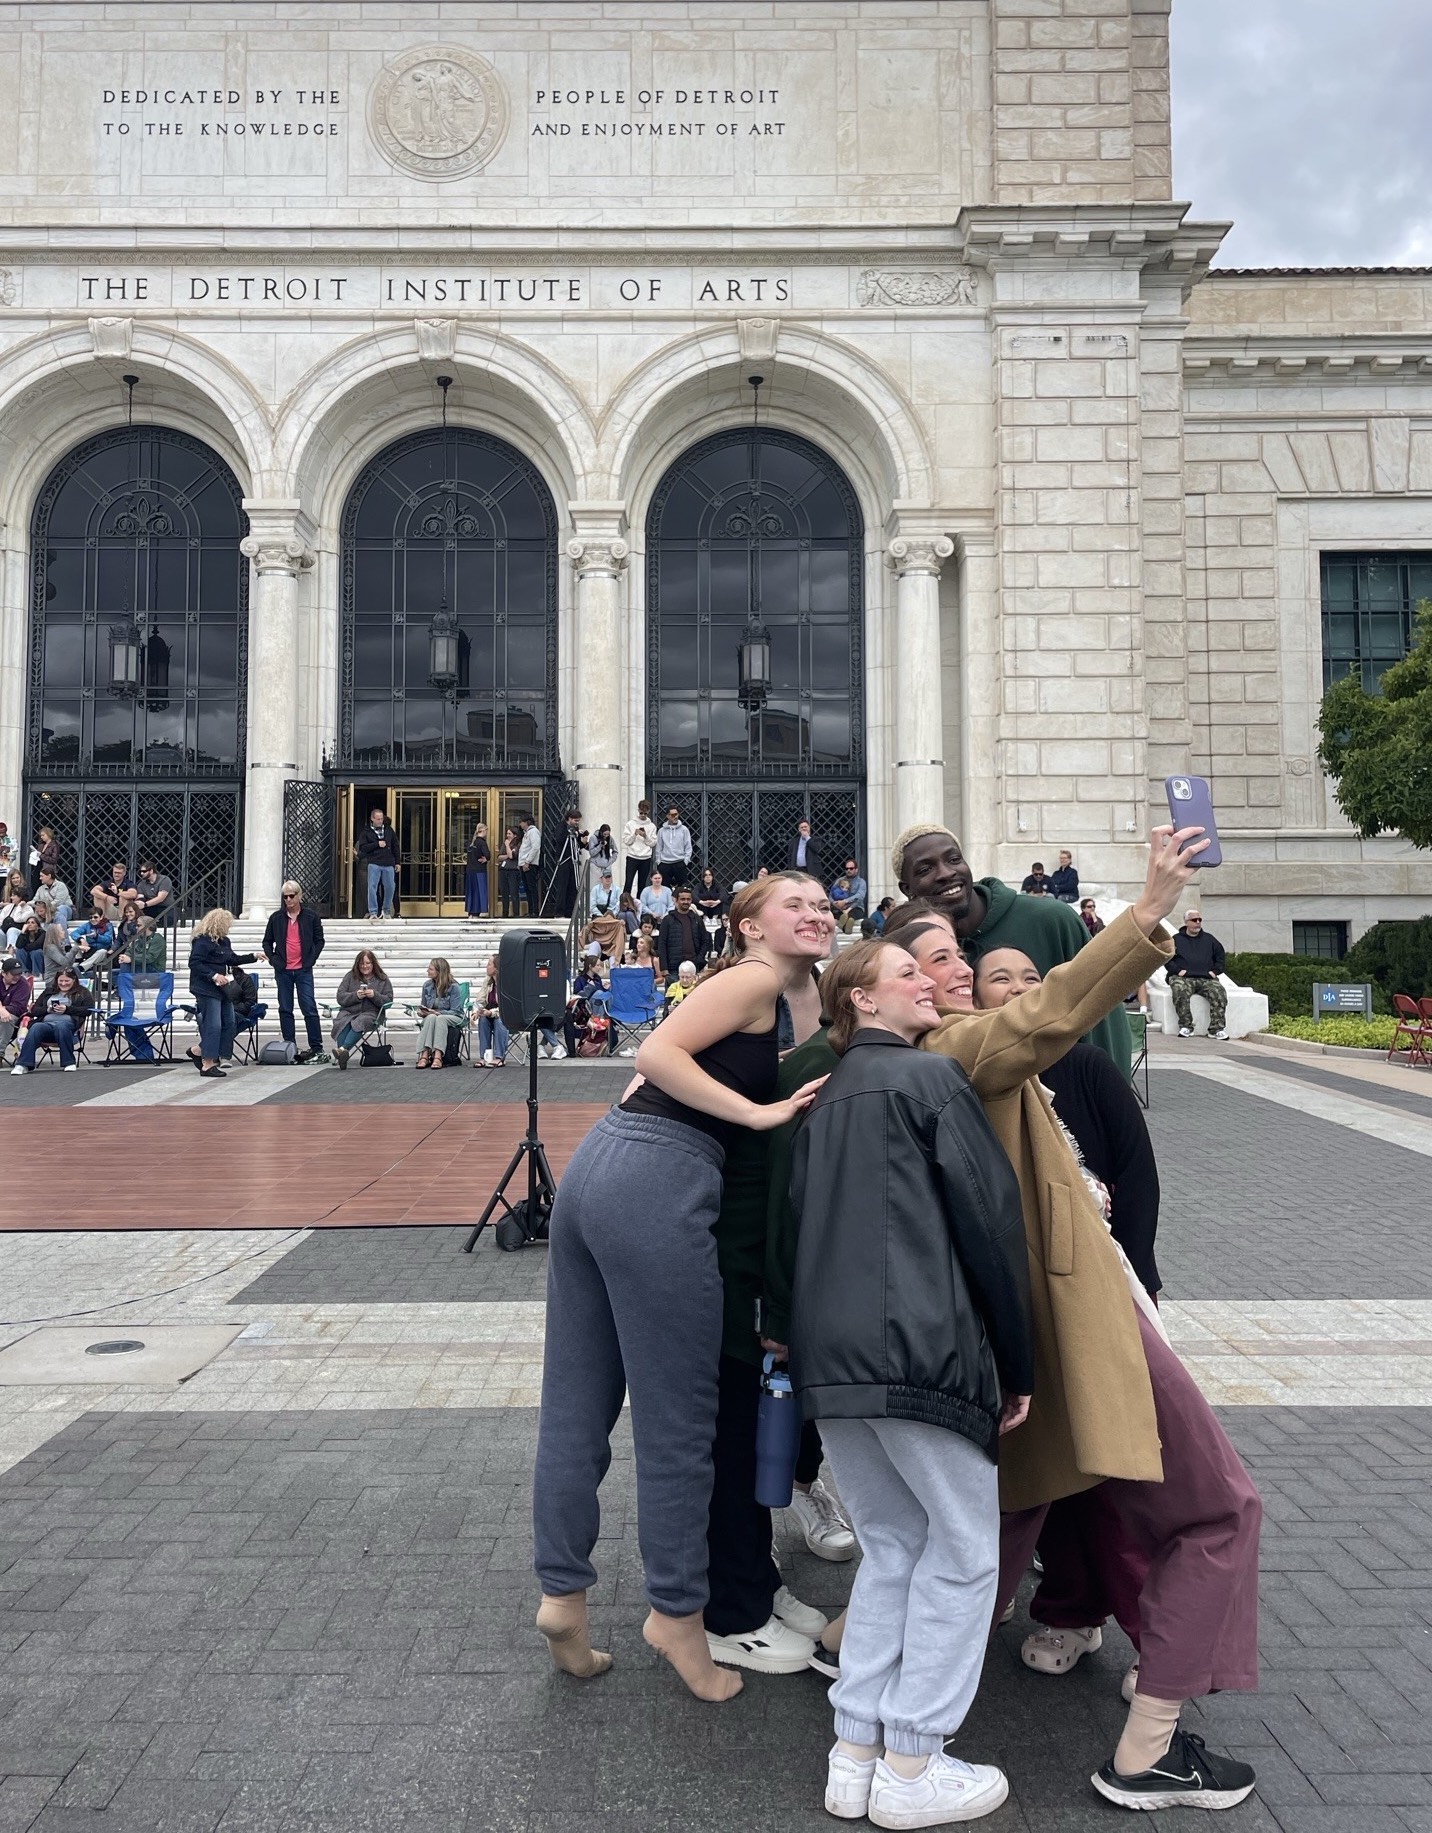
(526, 1220)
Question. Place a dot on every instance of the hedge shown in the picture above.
(1356, 1033)
(1396, 957)
(1288, 980)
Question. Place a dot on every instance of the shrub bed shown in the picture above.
(1351, 1033)
(1288, 980)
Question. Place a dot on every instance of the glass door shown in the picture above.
(461, 811)
(416, 817)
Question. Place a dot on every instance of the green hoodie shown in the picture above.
(1048, 932)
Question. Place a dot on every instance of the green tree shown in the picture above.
(1377, 748)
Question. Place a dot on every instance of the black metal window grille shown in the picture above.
(1322, 941)
(135, 538)
(1368, 605)
(756, 526)
(457, 521)
(737, 828)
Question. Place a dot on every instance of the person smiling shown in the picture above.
(634, 1295)
(911, 1344)
(987, 913)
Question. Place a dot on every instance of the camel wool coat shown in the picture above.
(1092, 1415)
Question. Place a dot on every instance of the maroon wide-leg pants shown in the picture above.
(1197, 1531)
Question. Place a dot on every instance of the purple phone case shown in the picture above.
(1190, 804)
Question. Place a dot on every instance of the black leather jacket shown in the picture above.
(911, 1294)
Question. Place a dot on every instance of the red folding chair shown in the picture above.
(1414, 1029)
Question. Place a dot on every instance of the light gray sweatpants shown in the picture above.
(924, 1504)
(634, 1305)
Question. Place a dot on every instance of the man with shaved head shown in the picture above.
(987, 913)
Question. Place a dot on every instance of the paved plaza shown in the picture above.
(293, 1592)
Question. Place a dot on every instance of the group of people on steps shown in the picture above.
(970, 1321)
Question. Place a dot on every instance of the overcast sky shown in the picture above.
(1308, 123)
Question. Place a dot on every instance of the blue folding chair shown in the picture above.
(142, 1029)
(634, 1003)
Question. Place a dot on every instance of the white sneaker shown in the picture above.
(1221, 1035)
(1059, 1651)
(772, 1649)
(70, 1069)
(804, 1620)
(544, 1051)
(559, 1051)
(1128, 1686)
(948, 1790)
(1185, 1030)
(827, 1532)
(630, 1051)
(847, 1785)
(19, 1070)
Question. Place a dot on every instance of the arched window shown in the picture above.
(449, 611)
(756, 528)
(138, 660)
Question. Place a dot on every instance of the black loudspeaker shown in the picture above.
(531, 978)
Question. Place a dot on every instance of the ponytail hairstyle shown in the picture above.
(749, 902)
(858, 966)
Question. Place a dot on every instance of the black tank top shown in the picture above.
(746, 1061)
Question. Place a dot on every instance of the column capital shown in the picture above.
(910, 555)
(602, 557)
(280, 537)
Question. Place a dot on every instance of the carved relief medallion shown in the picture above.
(910, 286)
(438, 111)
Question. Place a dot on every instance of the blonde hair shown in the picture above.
(215, 923)
(855, 967)
(907, 838)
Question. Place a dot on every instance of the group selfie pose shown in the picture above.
(937, 1210)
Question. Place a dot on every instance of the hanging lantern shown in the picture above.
(754, 666)
(443, 671)
(126, 660)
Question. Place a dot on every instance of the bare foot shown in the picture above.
(563, 1621)
(682, 1640)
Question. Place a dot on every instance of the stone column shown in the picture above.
(14, 679)
(981, 790)
(279, 548)
(599, 559)
(918, 715)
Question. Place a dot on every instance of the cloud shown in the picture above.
(1309, 124)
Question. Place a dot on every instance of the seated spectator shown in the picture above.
(682, 936)
(56, 1017)
(606, 927)
(243, 996)
(16, 992)
(155, 893)
(681, 986)
(29, 946)
(882, 911)
(1036, 884)
(441, 1013)
(1089, 916)
(111, 892)
(145, 952)
(52, 899)
(492, 1034)
(1197, 963)
(94, 943)
(362, 994)
(848, 897)
(656, 901)
(628, 912)
(126, 924)
(58, 950)
(711, 900)
(641, 952)
(580, 1025)
(1064, 882)
(15, 906)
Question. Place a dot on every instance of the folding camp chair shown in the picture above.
(246, 1034)
(1139, 1035)
(146, 1010)
(1414, 1029)
(633, 1004)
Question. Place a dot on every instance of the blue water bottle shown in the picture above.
(778, 1436)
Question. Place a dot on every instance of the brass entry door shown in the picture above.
(434, 827)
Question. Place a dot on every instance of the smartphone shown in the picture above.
(1190, 804)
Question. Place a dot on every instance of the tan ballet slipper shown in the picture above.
(682, 1642)
(562, 1621)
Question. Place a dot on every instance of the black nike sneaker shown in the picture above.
(825, 1661)
(1188, 1775)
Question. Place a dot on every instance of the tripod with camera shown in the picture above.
(531, 994)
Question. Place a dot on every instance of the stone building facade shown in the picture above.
(442, 481)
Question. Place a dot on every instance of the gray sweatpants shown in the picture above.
(633, 1305)
(924, 1504)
